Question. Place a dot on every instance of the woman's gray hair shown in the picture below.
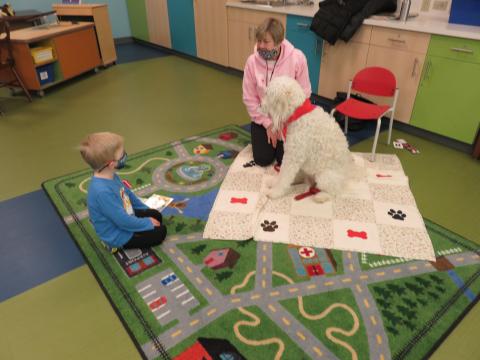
(273, 27)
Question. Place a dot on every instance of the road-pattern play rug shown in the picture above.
(376, 213)
(192, 298)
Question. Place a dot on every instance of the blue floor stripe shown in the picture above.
(459, 282)
(35, 246)
(134, 52)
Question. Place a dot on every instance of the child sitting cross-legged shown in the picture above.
(119, 217)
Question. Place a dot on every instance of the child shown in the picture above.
(118, 216)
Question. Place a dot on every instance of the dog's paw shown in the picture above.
(321, 197)
(270, 182)
(274, 192)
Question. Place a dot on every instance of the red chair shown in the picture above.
(376, 81)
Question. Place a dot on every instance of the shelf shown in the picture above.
(46, 62)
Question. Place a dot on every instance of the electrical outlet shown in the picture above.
(440, 5)
(425, 5)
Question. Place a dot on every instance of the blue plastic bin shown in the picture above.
(45, 74)
(466, 12)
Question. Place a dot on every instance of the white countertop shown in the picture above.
(438, 25)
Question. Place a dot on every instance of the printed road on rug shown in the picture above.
(377, 215)
(193, 298)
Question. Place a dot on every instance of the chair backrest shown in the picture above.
(375, 80)
(6, 54)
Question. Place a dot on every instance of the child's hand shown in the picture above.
(155, 222)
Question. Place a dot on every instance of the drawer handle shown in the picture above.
(397, 40)
(462, 50)
(414, 68)
(303, 25)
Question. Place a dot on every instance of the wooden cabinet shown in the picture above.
(77, 52)
(341, 61)
(211, 30)
(241, 33)
(75, 48)
(137, 16)
(299, 34)
(403, 53)
(447, 99)
(158, 22)
(182, 26)
(98, 14)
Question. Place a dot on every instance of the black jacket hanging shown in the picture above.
(341, 18)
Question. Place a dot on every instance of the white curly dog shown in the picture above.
(315, 147)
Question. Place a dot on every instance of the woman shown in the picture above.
(273, 56)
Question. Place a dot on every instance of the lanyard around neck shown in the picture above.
(267, 80)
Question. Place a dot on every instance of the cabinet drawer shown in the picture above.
(400, 39)
(455, 48)
(253, 16)
(362, 35)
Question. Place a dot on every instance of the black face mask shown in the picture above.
(122, 161)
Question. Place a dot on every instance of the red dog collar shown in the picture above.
(303, 109)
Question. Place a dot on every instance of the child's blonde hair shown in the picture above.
(98, 149)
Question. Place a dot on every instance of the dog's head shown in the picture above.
(282, 97)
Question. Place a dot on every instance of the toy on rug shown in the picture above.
(314, 144)
(403, 144)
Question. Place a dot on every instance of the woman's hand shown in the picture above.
(272, 137)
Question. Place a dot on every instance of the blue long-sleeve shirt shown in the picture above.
(110, 206)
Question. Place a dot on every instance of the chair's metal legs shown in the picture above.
(390, 129)
(346, 125)
(375, 140)
(20, 82)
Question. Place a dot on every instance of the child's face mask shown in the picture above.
(122, 161)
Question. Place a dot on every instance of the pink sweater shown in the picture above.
(292, 62)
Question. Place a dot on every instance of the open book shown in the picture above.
(158, 202)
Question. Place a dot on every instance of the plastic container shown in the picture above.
(42, 54)
(45, 74)
(466, 12)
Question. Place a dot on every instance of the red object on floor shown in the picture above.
(312, 191)
(359, 234)
(235, 200)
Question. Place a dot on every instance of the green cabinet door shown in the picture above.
(448, 98)
(137, 15)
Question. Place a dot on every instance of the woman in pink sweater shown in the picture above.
(273, 56)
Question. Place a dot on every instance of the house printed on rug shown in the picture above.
(220, 258)
(210, 349)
